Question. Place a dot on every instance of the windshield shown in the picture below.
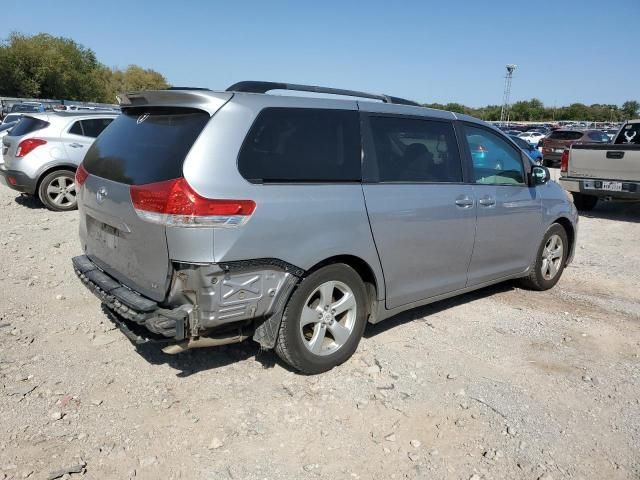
(21, 107)
(11, 118)
(598, 137)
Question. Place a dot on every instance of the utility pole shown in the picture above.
(504, 114)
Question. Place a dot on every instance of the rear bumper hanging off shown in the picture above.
(168, 323)
(207, 302)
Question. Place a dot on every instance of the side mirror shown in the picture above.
(539, 175)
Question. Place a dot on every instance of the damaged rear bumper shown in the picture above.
(167, 323)
(205, 302)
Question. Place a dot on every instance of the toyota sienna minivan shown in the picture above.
(211, 217)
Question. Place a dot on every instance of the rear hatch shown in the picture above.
(144, 145)
(11, 141)
(617, 161)
(605, 162)
(557, 141)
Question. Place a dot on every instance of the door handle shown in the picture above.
(464, 202)
(615, 154)
(76, 145)
(487, 201)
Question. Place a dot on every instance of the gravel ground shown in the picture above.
(501, 383)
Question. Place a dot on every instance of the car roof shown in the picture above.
(208, 100)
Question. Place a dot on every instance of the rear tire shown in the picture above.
(57, 191)
(550, 260)
(323, 320)
(584, 202)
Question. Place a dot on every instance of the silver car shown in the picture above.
(42, 151)
(208, 217)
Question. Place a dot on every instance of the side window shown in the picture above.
(76, 129)
(495, 161)
(414, 150)
(94, 127)
(302, 145)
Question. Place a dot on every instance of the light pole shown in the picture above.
(504, 114)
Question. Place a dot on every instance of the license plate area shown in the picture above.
(611, 186)
(106, 235)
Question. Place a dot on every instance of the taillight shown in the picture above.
(174, 202)
(81, 176)
(28, 145)
(564, 161)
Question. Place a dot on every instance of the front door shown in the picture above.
(509, 211)
(421, 213)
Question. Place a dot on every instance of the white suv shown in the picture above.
(41, 154)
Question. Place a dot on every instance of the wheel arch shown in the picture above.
(372, 284)
(565, 223)
(52, 168)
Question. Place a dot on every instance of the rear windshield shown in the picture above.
(28, 125)
(630, 134)
(145, 144)
(565, 135)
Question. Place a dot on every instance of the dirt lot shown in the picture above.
(502, 383)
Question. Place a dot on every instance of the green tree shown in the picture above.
(630, 109)
(134, 78)
(49, 67)
(45, 66)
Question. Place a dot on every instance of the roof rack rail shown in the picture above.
(188, 88)
(264, 87)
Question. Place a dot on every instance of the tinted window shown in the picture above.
(565, 135)
(302, 145)
(630, 133)
(76, 129)
(495, 161)
(413, 150)
(28, 125)
(95, 126)
(598, 136)
(145, 145)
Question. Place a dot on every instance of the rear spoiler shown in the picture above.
(205, 100)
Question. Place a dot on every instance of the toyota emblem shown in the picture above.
(101, 194)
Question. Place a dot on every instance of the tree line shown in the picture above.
(44, 66)
(534, 110)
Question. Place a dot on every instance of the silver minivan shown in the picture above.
(209, 217)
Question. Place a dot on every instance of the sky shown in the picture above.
(430, 51)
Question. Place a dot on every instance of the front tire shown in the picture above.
(57, 191)
(584, 203)
(324, 320)
(551, 258)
